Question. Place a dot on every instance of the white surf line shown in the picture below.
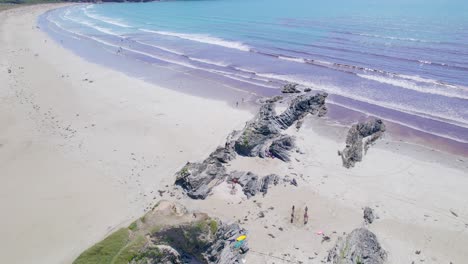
(333, 90)
(203, 39)
(104, 19)
(409, 85)
(398, 122)
(224, 74)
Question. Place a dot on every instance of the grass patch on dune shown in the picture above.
(133, 226)
(213, 227)
(107, 250)
(130, 251)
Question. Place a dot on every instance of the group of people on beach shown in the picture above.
(306, 215)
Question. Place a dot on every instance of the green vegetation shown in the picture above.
(151, 253)
(358, 261)
(130, 251)
(133, 226)
(140, 241)
(184, 171)
(213, 227)
(105, 251)
(143, 219)
(344, 250)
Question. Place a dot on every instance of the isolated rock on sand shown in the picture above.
(368, 215)
(358, 140)
(257, 136)
(197, 179)
(252, 184)
(360, 246)
(290, 88)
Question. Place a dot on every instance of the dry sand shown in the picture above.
(78, 159)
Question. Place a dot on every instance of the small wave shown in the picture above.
(299, 60)
(91, 25)
(203, 39)
(409, 85)
(106, 31)
(391, 37)
(107, 20)
(216, 63)
(161, 48)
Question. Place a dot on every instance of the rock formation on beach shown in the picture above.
(197, 179)
(290, 88)
(360, 246)
(261, 137)
(171, 234)
(252, 184)
(358, 140)
(258, 135)
(368, 215)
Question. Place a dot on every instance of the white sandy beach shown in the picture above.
(78, 159)
(84, 150)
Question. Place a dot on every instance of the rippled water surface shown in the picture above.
(404, 61)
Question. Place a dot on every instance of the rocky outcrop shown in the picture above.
(360, 246)
(261, 137)
(368, 215)
(290, 88)
(197, 179)
(223, 248)
(260, 133)
(301, 106)
(358, 140)
(281, 147)
(252, 184)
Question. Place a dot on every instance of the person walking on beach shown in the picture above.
(306, 216)
(292, 214)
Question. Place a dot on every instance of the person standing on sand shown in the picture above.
(292, 214)
(306, 216)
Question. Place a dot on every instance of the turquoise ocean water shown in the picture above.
(403, 61)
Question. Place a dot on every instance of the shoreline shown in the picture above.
(207, 85)
(84, 148)
(88, 148)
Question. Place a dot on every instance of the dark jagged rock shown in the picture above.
(261, 137)
(280, 147)
(360, 246)
(197, 179)
(368, 215)
(258, 133)
(300, 107)
(307, 90)
(358, 140)
(266, 127)
(222, 249)
(252, 184)
(290, 88)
